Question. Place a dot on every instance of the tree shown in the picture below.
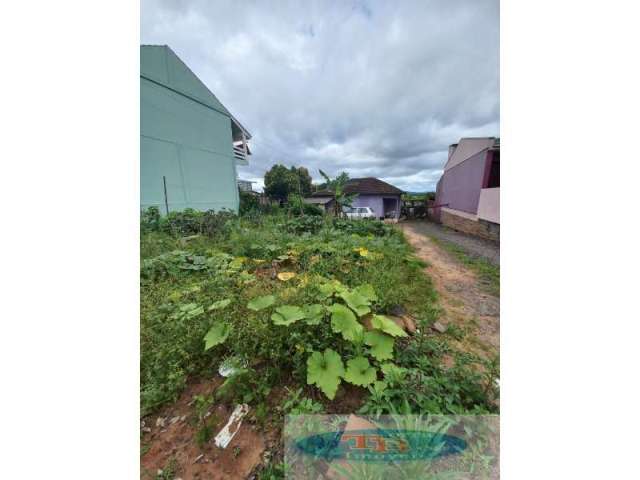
(336, 187)
(304, 179)
(280, 182)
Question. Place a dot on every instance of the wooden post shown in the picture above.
(166, 201)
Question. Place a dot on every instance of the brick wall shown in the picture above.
(479, 228)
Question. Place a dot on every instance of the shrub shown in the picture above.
(193, 222)
(249, 202)
(306, 224)
(150, 219)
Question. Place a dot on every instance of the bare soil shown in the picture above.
(244, 456)
(463, 300)
(176, 442)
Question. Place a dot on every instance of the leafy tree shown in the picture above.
(304, 179)
(280, 182)
(336, 187)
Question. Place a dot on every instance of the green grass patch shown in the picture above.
(488, 272)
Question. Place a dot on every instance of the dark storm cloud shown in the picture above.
(375, 88)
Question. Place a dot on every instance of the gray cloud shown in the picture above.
(375, 88)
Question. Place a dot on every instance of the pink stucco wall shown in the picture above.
(460, 185)
(489, 205)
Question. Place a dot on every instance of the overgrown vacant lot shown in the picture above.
(315, 314)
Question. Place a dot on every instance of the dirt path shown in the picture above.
(464, 303)
(474, 246)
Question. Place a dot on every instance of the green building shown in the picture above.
(189, 142)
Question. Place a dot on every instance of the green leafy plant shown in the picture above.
(336, 187)
(260, 303)
(343, 321)
(381, 345)
(325, 370)
(287, 314)
(356, 302)
(216, 335)
(313, 313)
(360, 372)
(297, 404)
(220, 304)
(387, 326)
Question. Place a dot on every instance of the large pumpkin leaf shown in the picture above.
(327, 289)
(344, 321)
(313, 313)
(360, 372)
(216, 335)
(260, 303)
(219, 304)
(381, 345)
(287, 314)
(356, 302)
(367, 291)
(194, 312)
(387, 326)
(325, 370)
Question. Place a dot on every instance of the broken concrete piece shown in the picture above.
(409, 323)
(438, 327)
(184, 240)
(160, 422)
(232, 427)
(173, 420)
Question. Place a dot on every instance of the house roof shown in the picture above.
(467, 147)
(318, 200)
(365, 186)
(159, 64)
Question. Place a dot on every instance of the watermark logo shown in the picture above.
(380, 445)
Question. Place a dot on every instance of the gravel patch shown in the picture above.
(473, 246)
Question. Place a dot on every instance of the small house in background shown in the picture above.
(468, 193)
(189, 142)
(325, 203)
(384, 199)
(245, 185)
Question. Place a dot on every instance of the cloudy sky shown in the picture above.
(374, 88)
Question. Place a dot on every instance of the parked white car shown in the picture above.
(359, 212)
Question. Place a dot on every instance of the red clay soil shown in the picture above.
(175, 442)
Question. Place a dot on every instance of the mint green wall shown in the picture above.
(185, 136)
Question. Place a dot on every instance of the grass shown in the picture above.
(189, 287)
(488, 272)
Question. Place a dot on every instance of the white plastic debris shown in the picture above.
(232, 427)
(230, 366)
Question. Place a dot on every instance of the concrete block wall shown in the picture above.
(479, 228)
